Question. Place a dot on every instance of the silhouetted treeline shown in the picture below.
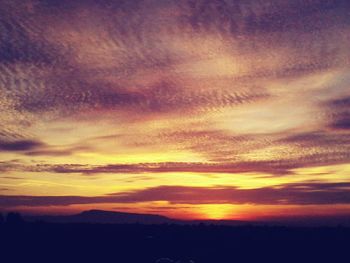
(47, 242)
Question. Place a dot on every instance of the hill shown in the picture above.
(102, 217)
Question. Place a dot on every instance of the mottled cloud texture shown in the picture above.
(191, 94)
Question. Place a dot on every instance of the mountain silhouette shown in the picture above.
(113, 217)
(103, 217)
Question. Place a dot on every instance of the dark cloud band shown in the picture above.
(289, 194)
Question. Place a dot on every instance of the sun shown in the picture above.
(217, 211)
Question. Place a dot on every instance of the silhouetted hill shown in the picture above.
(112, 217)
(103, 217)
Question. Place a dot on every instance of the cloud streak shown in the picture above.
(23, 145)
(289, 194)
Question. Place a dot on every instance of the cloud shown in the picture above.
(211, 86)
(339, 113)
(342, 122)
(53, 151)
(23, 145)
(301, 194)
(341, 103)
(275, 168)
(36, 148)
(12, 178)
(288, 194)
(324, 154)
(10, 165)
(89, 58)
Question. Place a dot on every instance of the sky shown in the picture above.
(221, 109)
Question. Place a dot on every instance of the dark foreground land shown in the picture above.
(49, 242)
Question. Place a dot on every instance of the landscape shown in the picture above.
(182, 131)
(105, 236)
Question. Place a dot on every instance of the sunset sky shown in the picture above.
(221, 109)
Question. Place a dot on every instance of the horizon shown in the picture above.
(208, 110)
(318, 221)
(306, 221)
